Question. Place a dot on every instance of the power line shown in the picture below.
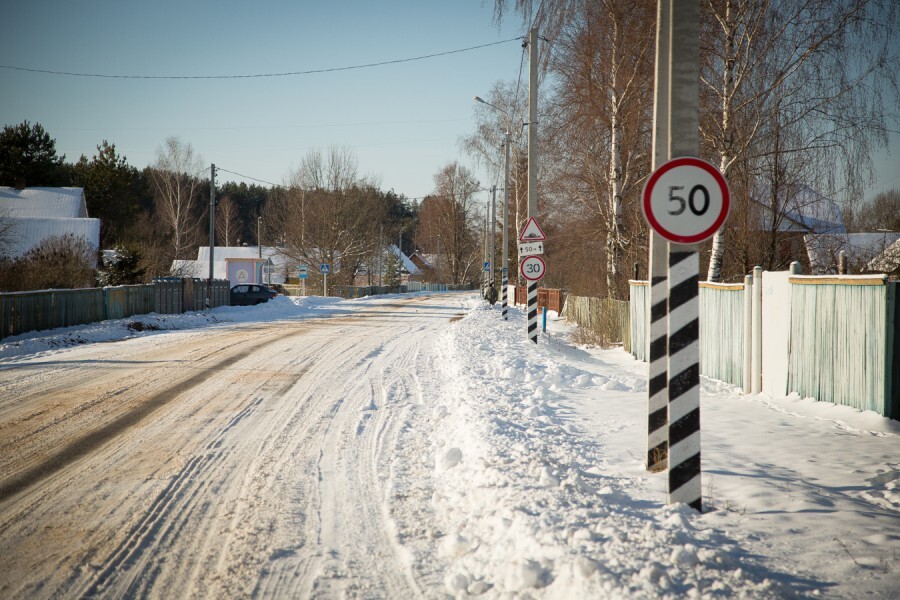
(260, 75)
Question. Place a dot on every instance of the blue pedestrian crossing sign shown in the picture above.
(487, 266)
(325, 268)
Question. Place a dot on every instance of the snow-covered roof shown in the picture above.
(889, 260)
(861, 249)
(805, 210)
(28, 232)
(430, 260)
(64, 202)
(409, 265)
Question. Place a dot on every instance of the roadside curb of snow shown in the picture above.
(522, 501)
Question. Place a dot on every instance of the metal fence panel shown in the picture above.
(127, 300)
(48, 309)
(839, 344)
(722, 332)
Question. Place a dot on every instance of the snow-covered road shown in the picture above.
(412, 447)
(221, 462)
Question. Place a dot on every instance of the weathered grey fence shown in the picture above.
(48, 309)
(605, 318)
(126, 300)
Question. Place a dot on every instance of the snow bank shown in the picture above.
(523, 500)
(280, 307)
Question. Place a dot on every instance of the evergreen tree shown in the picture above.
(113, 191)
(28, 154)
(121, 266)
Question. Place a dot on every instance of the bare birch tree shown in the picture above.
(227, 222)
(328, 214)
(808, 81)
(176, 183)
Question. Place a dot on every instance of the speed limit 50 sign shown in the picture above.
(686, 200)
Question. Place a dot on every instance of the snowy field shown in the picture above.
(501, 469)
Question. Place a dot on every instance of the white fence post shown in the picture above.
(756, 329)
(748, 331)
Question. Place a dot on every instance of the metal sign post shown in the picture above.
(302, 274)
(325, 269)
(532, 268)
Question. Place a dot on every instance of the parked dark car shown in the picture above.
(248, 294)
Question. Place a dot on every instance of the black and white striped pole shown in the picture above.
(505, 272)
(532, 173)
(532, 268)
(685, 200)
(657, 351)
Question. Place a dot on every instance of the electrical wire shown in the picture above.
(260, 75)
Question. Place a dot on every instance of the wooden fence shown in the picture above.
(48, 309)
(606, 319)
(549, 298)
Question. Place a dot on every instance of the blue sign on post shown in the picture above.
(325, 268)
(487, 266)
(302, 272)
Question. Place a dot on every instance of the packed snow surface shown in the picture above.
(421, 446)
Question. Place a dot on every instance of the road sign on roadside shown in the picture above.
(532, 232)
(533, 268)
(302, 272)
(325, 268)
(487, 266)
(686, 200)
(531, 248)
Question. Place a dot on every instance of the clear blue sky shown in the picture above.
(403, 121)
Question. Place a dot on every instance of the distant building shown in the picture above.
(40, 213)
(238, 264)
(864, 251)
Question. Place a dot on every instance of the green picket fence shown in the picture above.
(843, 345)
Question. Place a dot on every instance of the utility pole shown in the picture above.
(212, 232)
(484, 237)
(380, 252)
(532, 168)
(684, 265)
(657, 388)
(493, 230)
(505, 273)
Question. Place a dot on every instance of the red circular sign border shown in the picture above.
(668, 166)
(543, 271)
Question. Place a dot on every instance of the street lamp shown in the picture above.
(505, 272)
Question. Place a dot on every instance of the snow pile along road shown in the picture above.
(527, 504)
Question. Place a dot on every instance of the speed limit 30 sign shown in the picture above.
(686, 200)
(532, 268)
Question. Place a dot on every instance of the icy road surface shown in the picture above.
(224, 462)
(413, 447)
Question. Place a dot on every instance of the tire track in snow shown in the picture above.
(90, 442)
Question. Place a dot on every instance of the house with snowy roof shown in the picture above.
(802, 216)
(238, 264)
(38, 213)
(409, 270)
(863, 251)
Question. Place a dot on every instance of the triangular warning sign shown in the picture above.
(532, 232)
